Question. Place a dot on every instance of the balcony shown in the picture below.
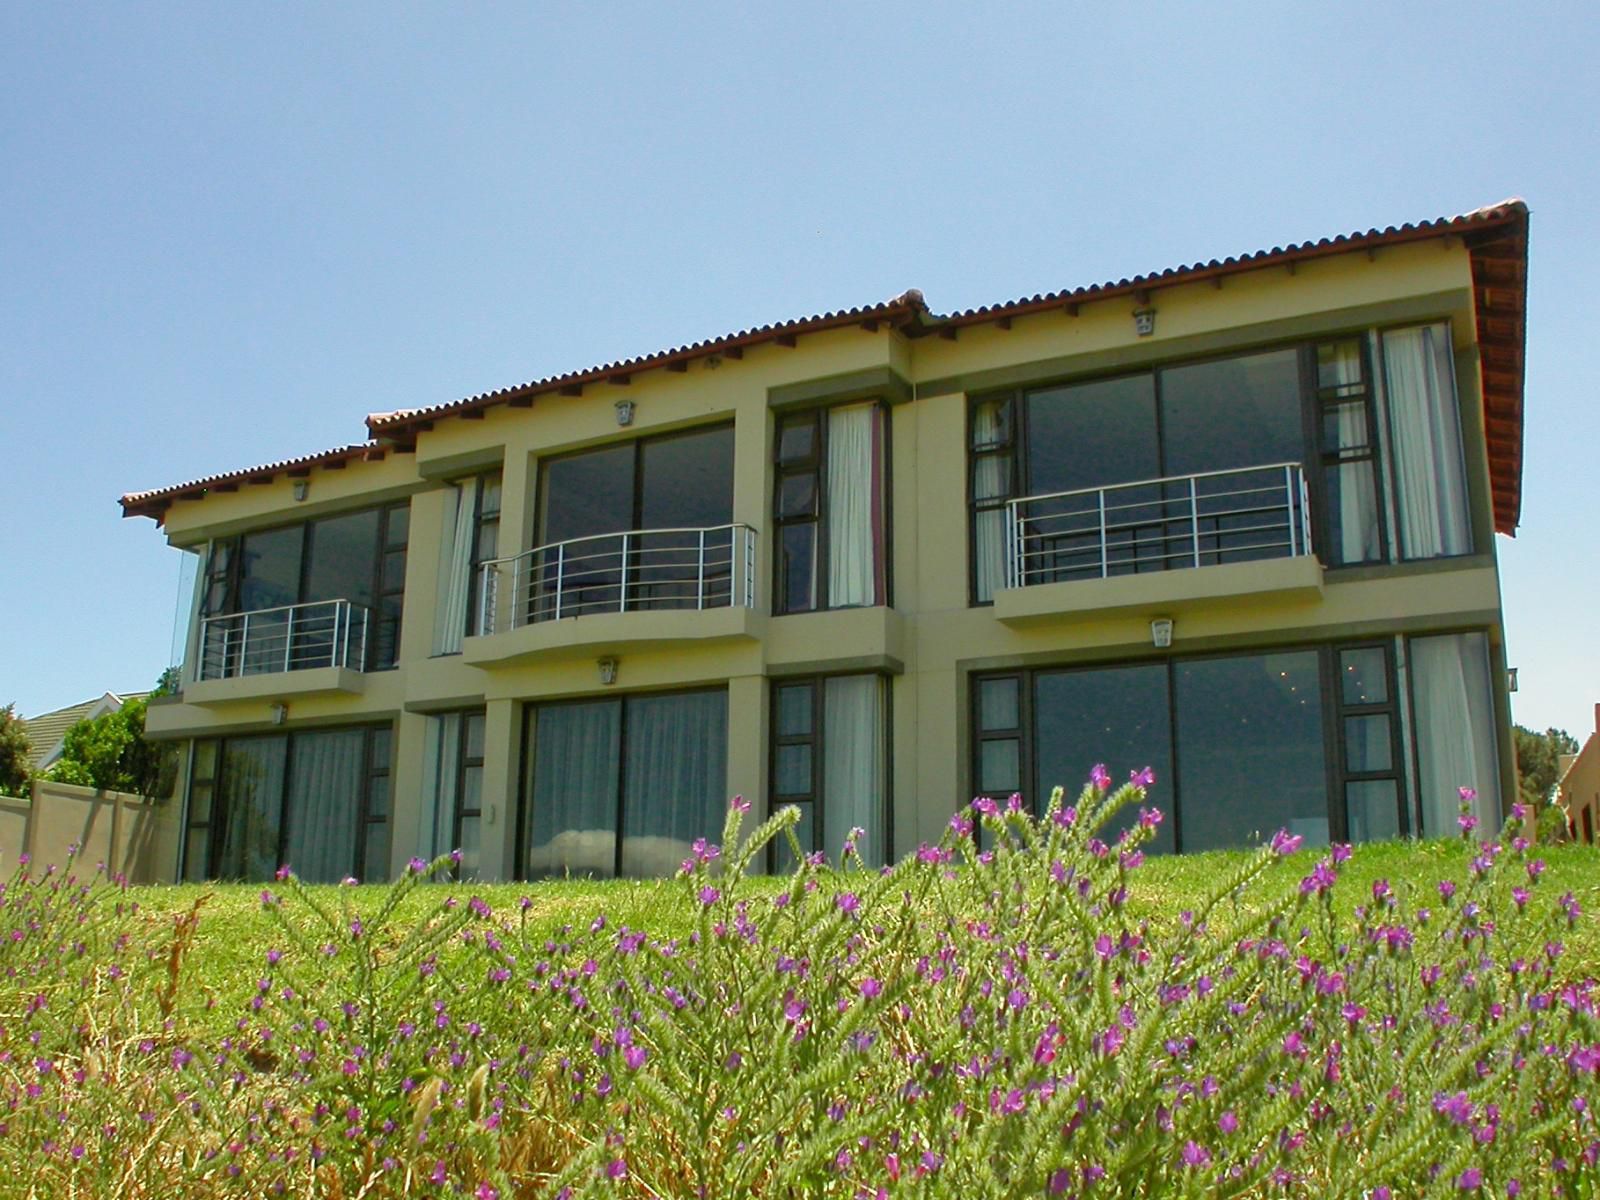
(640, 588)
(246, 655)
(1246, 533)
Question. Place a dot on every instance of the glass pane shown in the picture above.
(379, 748)
(797, 439)
(1091, 434)
(1455, 730)
(378, 796)
(471, 798)
(997, 704)
(1367, 746)
(343, 554)
(1364, 675)
(1117, 716)
(375, 866)
(324, 804)
(586, 494)
(489, 502)
(194, 860)
(798, 588)
(1339, 366)
(250, 798)
(271, 569)
(989, 552)
(1000, 765)
(1425, 428)
(471, 848)
(1233, 412)
(794, 710)
(398, 530)
(574, 752)
(488, 544)
(855, 766)
(1344, 426)
(991, 423)
(687, 480)
(675, 786)
(804, 831)
(991, 477)
(793, 771)
(1352, 513)
(199, 803)
(1250, 750)
(797, 495)
(394, 571)
(1372, 810)
(475, 727)
(205, 760)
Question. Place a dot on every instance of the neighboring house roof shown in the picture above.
(1496, 237)
(47, 731)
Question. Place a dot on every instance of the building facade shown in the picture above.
(1233, 521)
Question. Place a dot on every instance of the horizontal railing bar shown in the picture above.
(631, 533)
(1112, 487)
(261, 612)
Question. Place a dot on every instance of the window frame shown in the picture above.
(816, 464)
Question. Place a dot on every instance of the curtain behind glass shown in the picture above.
(324, 804)
(455, 567)
(441, 761)
(251, 800)
(1430, 475)
(853, 486)
(988, 481)
(1339, 367)
(854, 755)
(1455, 730)
(576, 749)
(675, 786)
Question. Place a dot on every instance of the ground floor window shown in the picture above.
(623, 786)
(1311, 739)
(830, 759)
(452, 789)
(317, 801)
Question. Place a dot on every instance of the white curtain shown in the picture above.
(455, 567)
(1455, 730)
(324, 804)
(853, 489)
(251, 807)
(988, 481)
(1358, 499)
(1430, 474)
(441, 761)
(576, 749)
(853, 770)
(675, 787)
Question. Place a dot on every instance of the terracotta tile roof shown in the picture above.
(1496, 237)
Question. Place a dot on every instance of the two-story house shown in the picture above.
(1232, 520)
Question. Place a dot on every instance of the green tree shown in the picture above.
(110, 752)
(1539, 762)
(15, 769)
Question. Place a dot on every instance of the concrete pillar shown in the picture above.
(405, 790)
(747, 740)
(502, 762)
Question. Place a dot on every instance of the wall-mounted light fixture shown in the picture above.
(1161, 633)
(608, 670)
(1144, 321)
(1511, 679)
(280, 712)
(624, 412)
(301, 488)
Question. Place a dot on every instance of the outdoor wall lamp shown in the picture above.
(1161, 633)
(1144, 321)
(624, 412)
(1511, 679)
(608, 670)
(301, 488)
(280, 712)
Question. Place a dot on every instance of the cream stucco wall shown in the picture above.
(930, 639)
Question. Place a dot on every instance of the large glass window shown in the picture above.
(1242, 745)
(358, 557)
(830, 760)
(1453, 715)
(471, 538)
(623, 786)
(828, 509)
(671, 495)
(452, 788)
(316, 800)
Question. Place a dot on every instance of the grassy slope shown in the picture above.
(235, 933)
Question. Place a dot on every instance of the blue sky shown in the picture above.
(228, 232)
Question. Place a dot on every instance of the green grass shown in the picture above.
(235, 932)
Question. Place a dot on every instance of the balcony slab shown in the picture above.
(1164, 593)
(275, 685)
(601, 634)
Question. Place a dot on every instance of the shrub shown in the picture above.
(982, 1019)
(15, 771)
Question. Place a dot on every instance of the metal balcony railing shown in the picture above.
(638, 570)
(291, 637)
(1158, 524)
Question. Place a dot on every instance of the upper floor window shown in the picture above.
(324, 592)
(471, 538)
(1199, 463)
(828, 509)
